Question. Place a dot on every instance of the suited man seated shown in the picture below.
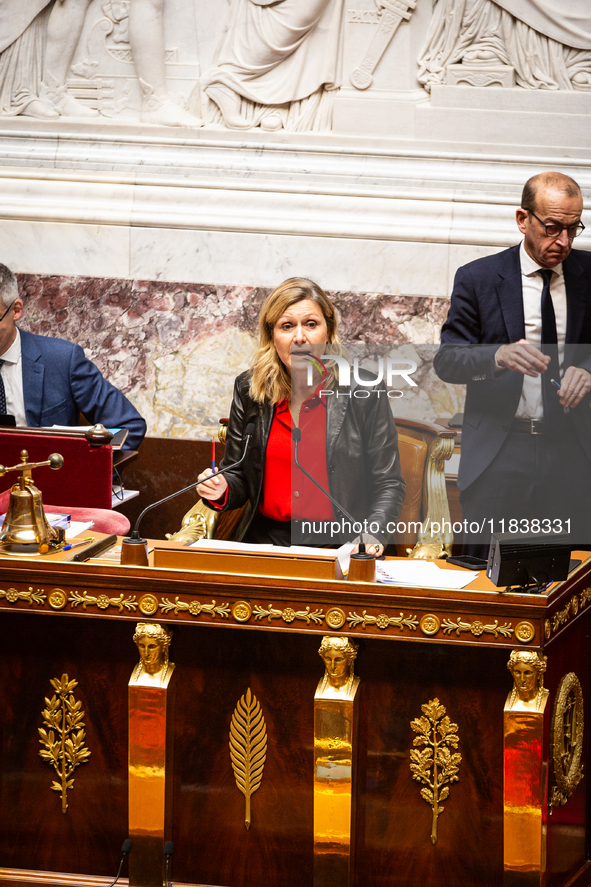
(45, 381)
(518, 333)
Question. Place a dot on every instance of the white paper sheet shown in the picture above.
(423, 574)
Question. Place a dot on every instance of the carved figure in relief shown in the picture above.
(36, 30)
(527, 668)
(154, 667)
(338, 655)
(276, 64)
(547, 44)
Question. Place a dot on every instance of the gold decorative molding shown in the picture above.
(383, 621)
(63, 745)
(335, 618)
(430, 624)
(567, 739)
(525, 632)
(571, 609)
(102, 601)
(248, 747)
(195, 608)
(477, 628)
(241, 611)
(57, 599)
(435, 765)
(148, 604)
(288, 614)
(12, 595)
(585, 597)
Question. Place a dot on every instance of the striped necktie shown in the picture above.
(2, 391)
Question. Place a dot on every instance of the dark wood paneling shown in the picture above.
(163, 466)
(35, 832)
(393, 821)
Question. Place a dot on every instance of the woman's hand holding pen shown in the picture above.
(213, 489)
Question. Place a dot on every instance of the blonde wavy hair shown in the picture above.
(271, 380)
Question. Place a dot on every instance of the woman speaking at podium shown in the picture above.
(348, 444)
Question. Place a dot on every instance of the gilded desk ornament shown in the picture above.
(195, 608)
(383, 621)
(528, 693)
(336, 715)
(148, 604)
(63, 745)
(154, 667)
(436, 766)
(248, 748)
(567, 739)
(288, 614)
(102, 601)
(430, 624)
(241, 611)
(338, 655)
(12, 595)
(335, 618)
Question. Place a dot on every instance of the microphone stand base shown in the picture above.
(134, 552)
(362, 568)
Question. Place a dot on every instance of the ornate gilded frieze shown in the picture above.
(63, 741)
(195, 608)
(333, 618)
(12, 595)
(566, 735)
(248, 748)
(435, 765)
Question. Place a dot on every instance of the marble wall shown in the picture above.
(388, 149)
(175, 348)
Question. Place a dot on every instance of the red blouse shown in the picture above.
(287, 492)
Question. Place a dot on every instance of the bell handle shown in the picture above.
(55, 461)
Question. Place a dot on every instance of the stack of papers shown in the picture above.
(424, 574)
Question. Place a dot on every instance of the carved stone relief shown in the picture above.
(238, 64)
(534, 44)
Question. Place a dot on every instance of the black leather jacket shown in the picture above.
(362, 453)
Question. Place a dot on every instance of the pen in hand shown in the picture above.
(557, 386)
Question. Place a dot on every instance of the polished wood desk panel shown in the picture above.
(232, 633)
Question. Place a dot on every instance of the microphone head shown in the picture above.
(127, 847)
(296, 435)
(249, 430)
(168, 848)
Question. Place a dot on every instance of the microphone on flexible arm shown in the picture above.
(127, 553)
(168, 848)
(125, 851)
(296, 434)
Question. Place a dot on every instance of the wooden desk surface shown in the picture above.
(479, 614)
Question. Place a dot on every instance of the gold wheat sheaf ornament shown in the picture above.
(435, 765)
(248, 747)
(64, 743)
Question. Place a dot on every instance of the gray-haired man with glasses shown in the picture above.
(518, 332)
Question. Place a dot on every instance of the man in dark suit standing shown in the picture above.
(518, 332)
(45, 381)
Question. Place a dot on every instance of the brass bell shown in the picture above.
(25, 530)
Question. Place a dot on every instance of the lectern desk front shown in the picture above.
(514, 804)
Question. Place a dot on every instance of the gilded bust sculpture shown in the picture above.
(528, 693)
(339, 681)
(154, 667)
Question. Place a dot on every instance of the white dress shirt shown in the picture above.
(532, 284)
(12, 375)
